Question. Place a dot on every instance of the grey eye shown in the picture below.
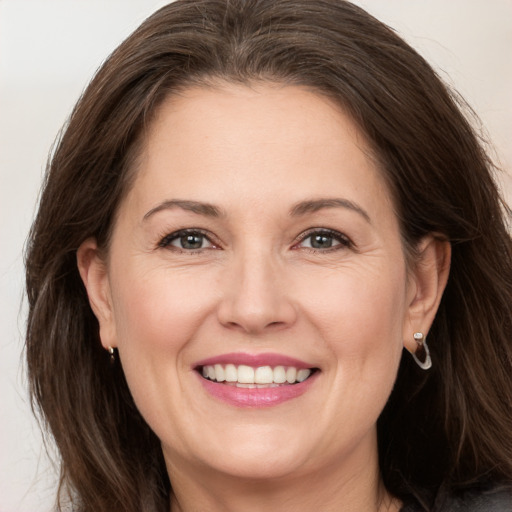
(320, 241)
(186, 240)
(191, 241)
(324, 239)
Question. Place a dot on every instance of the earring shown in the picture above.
(422, 354)
(112, 352)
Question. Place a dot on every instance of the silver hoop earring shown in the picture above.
(112, 352)
(422, 353)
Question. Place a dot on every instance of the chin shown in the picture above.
(261, 465)
(256, 452)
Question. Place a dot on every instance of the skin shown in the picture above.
(257, 286)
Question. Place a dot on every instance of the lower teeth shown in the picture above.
(253, 386)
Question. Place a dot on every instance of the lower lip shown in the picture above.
(256, 397)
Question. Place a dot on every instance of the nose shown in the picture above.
(255, 297)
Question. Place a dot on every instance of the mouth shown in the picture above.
(263, 380)
(244, 376)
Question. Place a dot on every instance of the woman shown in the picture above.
(255, 206)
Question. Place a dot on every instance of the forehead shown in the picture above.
(264, 140)
(269, 113)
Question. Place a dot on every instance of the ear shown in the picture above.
(94, 274)
(426, 283)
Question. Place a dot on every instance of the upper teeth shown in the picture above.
(243, 374)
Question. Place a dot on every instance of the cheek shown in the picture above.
(360, 314)
(158, 314)
(158, 311)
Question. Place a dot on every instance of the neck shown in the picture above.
(350, 486)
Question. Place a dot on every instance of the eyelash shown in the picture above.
(343, 241)
(166, 241)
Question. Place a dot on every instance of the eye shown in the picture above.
(324, 239)
(186, 240)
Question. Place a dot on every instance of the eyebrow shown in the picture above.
(314, 205)
(302, 208)
(206, 209)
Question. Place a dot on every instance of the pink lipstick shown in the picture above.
(255, 380)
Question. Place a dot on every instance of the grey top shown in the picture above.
(494, 501)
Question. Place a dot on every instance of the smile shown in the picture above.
(261, 377)
(261, 380)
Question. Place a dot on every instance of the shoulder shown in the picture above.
(495, 500)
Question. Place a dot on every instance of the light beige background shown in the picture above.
(48, 51)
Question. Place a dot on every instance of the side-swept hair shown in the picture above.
(443, 430)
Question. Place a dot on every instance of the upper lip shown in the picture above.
(254, 360)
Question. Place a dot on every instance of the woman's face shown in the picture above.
(259, 246)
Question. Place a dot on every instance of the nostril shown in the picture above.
(255, 305)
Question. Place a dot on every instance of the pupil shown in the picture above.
(321, 241)
(191, 241)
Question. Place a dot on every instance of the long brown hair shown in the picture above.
(442, 430)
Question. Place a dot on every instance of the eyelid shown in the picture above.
(166, 239)
(344, 240)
